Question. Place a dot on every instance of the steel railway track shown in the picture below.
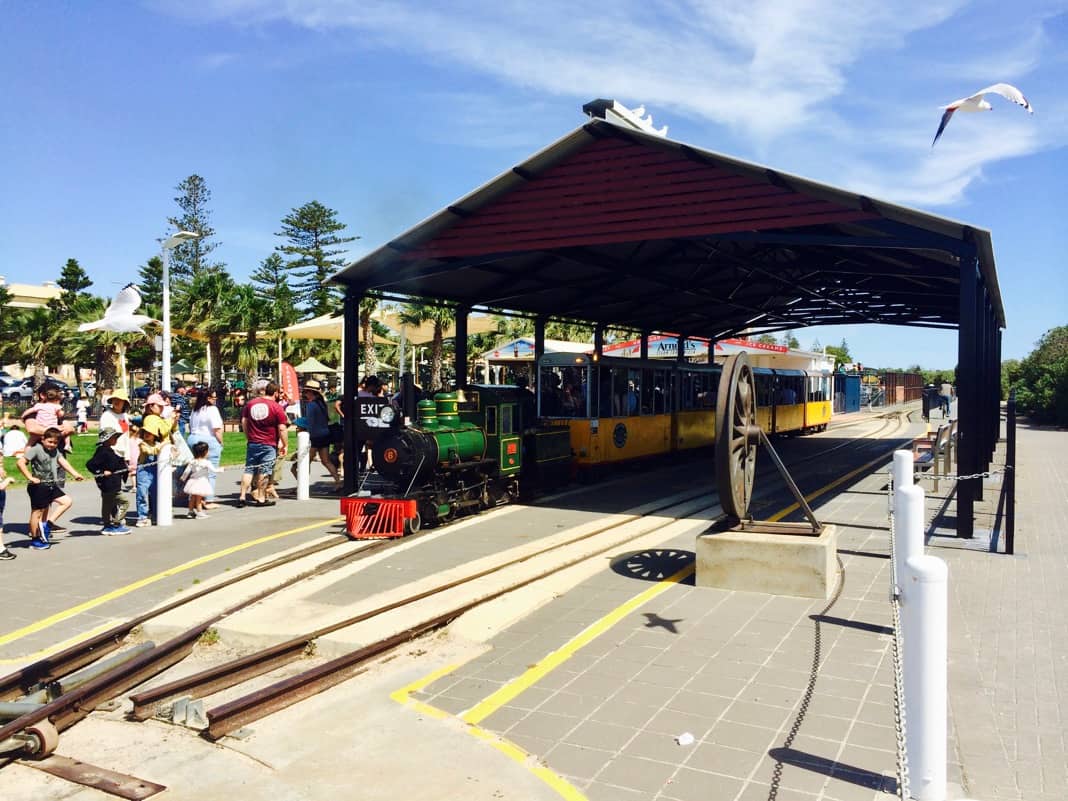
(66, 707)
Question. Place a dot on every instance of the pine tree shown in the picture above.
(72, 280)
(313, 243)
(190, 258)
(151, 282)
(269, 280)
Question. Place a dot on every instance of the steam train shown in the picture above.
(472, 449)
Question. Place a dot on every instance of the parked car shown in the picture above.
(22, 391)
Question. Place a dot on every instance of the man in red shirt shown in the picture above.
(264, 422)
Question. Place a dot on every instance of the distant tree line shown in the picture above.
(1041, 379)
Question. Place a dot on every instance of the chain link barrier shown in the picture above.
(806, 699)
(950, 477)
(900, 727)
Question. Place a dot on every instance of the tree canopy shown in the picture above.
(1041, 379)
(313, 243)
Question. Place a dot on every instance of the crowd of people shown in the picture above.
(128, 450)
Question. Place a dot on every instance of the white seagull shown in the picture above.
(119, 315)
(976, 103)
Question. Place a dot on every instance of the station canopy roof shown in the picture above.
(616, 226)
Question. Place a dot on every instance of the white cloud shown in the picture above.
(838, 77)
(214, 61)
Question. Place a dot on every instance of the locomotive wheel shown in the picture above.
(413, 524)
(736, 436)
(44, 739)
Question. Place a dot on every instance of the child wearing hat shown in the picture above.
(109, 467)
(154, 433)
(116, 414)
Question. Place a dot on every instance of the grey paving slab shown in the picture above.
(158, 561)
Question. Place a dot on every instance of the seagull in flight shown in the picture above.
(977, 103)
(119, 315)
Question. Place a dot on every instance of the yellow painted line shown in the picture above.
(492, 703)
(61, 646)
(828, 487)
(403, 696)
(538, 671)
(66, 614)
(558, 783)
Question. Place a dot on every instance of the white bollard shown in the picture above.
(303, 465)
(925, 630)
(903, 470)
(164, 495)
(908, 527)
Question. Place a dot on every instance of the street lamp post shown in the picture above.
(169, 244)
(164, 467)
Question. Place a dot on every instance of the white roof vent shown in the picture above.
(618, 114)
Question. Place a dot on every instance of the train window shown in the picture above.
(630, 401)
(646, 393)
(507, 419)
(563, 391)
(661, 391)
(791, 390)
(817, 388)
(765, 389)
(602, 400)
(706, 395)
(688, 391)
(491, 421)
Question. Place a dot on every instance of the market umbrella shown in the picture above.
(182, 366)
(313, 365)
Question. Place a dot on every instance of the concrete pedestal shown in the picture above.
(774, 563)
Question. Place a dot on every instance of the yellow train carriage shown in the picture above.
(623, 409)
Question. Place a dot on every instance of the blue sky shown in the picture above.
(389, 111)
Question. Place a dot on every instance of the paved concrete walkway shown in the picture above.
(785, 698)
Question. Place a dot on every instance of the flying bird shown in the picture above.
(119, 315)
(977, 103)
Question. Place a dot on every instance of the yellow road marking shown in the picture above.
(558, 783)
(66, 614)
(60, 646)
(489, 705)
(828, 487)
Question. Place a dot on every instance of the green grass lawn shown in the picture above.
(84, 445)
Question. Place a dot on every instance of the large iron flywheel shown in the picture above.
(736, 436)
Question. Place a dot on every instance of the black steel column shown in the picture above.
(539, 351)
(460, 345)
(967, 395)
(1009, 486)
(643, 348)
(598, 340)
(350, 333)
(980, 389)
(993, 408)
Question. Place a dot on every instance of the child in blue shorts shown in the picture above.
(41, 464)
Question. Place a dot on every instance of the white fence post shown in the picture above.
(924, 612)
(164, 487)
(908, 525)
(303, 465)
(903, 472)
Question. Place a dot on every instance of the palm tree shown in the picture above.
(368, 304)
(205, 306)
(415, 314)
(35, 333)
(248, 313)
